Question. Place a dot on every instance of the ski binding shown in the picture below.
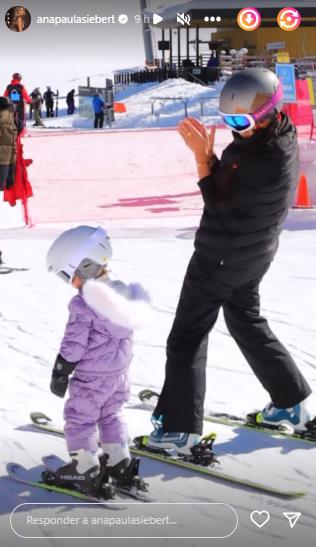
(201, 453)
(253, 420)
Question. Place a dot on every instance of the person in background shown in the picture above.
(70, 100)
(212, 65)
(17, 94)
(37, 102)
(98, 105)
(212, 62)
(33, 95)
(8, 133)
(49, 101)
(21, 188)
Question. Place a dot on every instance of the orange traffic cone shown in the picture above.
(302, 194)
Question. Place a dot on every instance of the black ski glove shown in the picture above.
(61, 371)
(11, 177)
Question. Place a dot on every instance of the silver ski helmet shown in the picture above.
(250, 96)
(83, 251)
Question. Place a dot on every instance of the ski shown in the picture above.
(142, 449)
(33, 477)
(53, 462)
(6, 270)
(137, 489)
(46, 424)
(250, 423)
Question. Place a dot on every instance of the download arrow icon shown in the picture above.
(249, 19)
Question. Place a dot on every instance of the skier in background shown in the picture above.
(18, 95)
(98, 105)
(35, 94)
(49, 101)
(8, 134)
(70, 100)
(246, 195)
(97, 347)
(37, 103)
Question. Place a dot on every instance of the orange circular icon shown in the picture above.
(249, 19)
(289, 19)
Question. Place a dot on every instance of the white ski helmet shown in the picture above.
(81, 251)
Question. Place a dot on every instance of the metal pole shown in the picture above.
(147, 34)
(88, 81)
(179, 49)
(188, 43)
(170, 48)
(163, 39)
(197, 45)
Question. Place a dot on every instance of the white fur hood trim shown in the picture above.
(130, 314)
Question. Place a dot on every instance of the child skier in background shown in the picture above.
(97, 347)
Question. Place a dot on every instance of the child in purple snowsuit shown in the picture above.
(98, 347)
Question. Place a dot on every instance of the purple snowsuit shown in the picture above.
(99, 337)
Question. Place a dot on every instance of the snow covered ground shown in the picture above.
(141, 186)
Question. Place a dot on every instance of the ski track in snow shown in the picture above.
(34, 313)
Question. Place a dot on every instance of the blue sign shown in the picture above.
(286, 73)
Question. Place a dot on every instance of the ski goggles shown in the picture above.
(244, 122)
(67, 273)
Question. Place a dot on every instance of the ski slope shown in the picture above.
(141, 186)
(137, 101)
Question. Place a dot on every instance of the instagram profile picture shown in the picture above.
(18, 19)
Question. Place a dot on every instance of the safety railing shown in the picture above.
(184, 100)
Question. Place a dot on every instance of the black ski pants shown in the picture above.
(49, 109)
(206, 288)
(99, 120)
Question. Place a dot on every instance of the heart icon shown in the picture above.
(260, 518)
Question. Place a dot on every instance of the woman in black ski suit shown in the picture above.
(246, 195)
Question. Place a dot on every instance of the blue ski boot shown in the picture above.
(296, 417)
(180, 442)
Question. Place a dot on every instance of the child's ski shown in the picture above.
(53, 462)
(33, 477)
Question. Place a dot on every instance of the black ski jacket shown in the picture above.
(49, 96)
(244, 229)
(70, 97)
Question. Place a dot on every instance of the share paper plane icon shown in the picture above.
(292, 517)
(156, 19)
